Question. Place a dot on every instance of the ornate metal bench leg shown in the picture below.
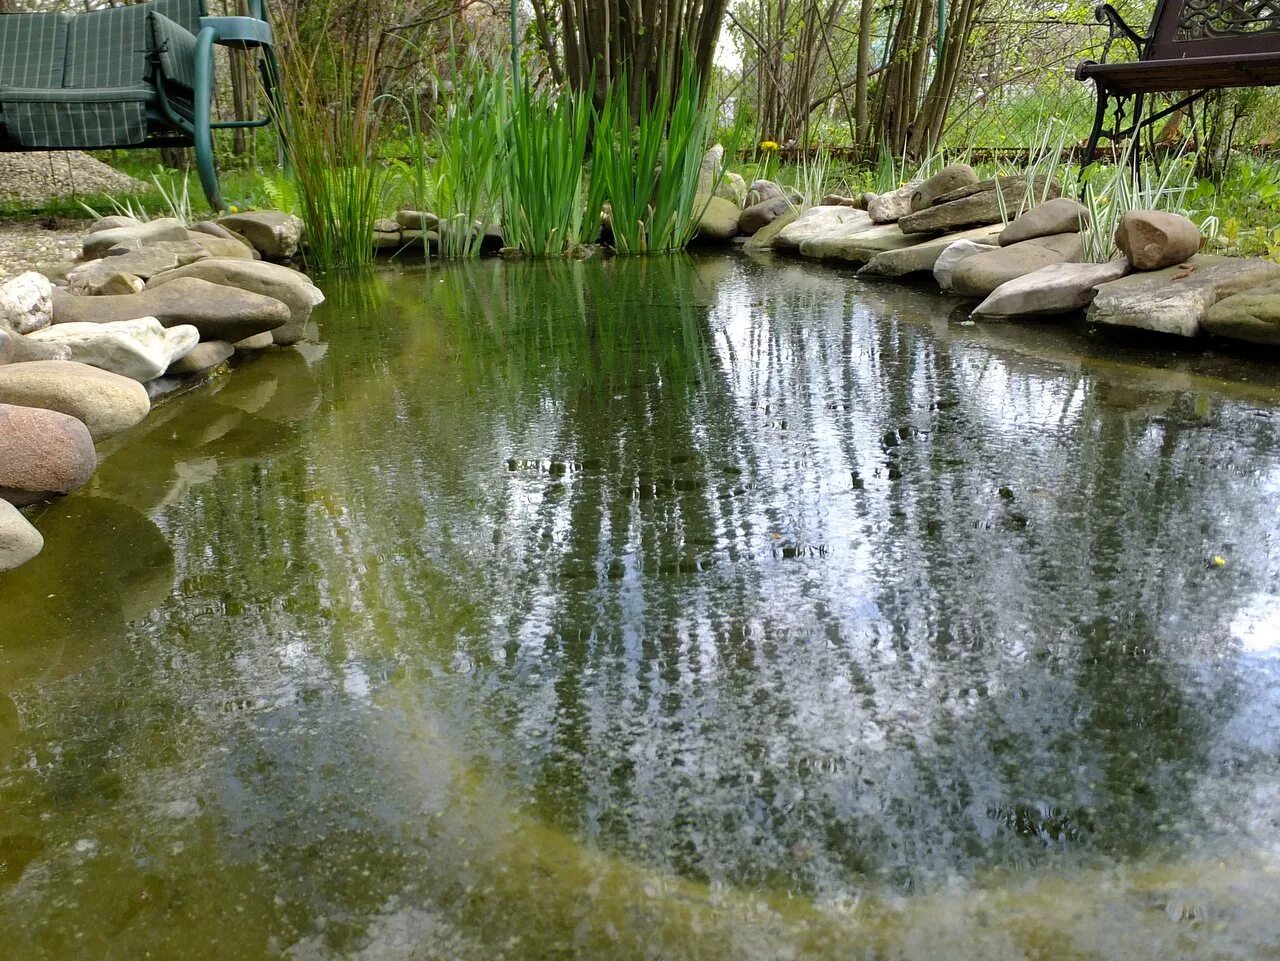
(203, 132)
(1099, 123)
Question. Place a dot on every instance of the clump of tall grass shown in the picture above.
(645, 163)
(470, 144)
(1046, 171)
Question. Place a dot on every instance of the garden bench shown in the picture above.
(1193, 46)
(123, 77)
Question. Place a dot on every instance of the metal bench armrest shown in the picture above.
(241, 32)
(1119, 30)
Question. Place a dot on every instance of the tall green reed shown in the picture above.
(470, 143)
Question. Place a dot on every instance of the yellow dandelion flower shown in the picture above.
(1219, 560)
(234, 209)
(770, 146)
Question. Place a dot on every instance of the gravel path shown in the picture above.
(33, 178)
(28, 243)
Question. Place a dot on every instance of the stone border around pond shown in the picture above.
(148, 311)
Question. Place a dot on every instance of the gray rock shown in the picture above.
(1056, 289)
(19, 541)
(274, 234)
(922, 257)
(858, 246)
(57, 273)
(954, 253)
(183, 251)
(140, 349)
(212, 229)
(1154, 239)
(386, 225)
(27, 349)
(709, 170)
(839, 200)
(1062, 215)
(104, 402)
(218, 312)
(979, 275)
(8, 345)
(292, 288)
(42, 454)
(225, 248)
(383, 240)
(815, 221)
(26, 302)
(891, 207)
(718, 220)
(949, 178)
(97, 244)
(733, 188)
(109, 276)
(1176, 300)
(113, 222)
(762, 214)
(1252, 316)
(256, 342)
(417, 220)
(978, 204)
(763, 238)
(761, 190)
(203, 356)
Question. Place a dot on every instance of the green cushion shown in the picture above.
(82, 119)
(185, 13)
(33, 48)
(176, 48)
(109, 48)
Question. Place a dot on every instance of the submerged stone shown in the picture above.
(19, 541)
(43, 453)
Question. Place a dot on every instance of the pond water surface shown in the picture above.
(658, 609)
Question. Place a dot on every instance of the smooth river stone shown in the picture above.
(950, 258)
(981, 274)
(42, 454)
(140, 349)
(890, 207)
(760, 215)
(203, 356)
(977, 204)
(949, 178)
(1062, 215)
(923, 256)
(1154, 239)
(274, 234)
(816, 220)
(718, 220)
(26, 302)
(1252, 316)
(763, 238)
(108, 277)
(1177, 299)
(97, 244)
(105, 402)
(19, 541)
(1056, 289)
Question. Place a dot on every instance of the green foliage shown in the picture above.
(470, 148)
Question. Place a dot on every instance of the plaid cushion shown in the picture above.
(61, 118)
(33, 48)
(185, 13)
(176, 48)
(109, 48)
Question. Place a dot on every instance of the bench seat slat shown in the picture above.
(1163, 76)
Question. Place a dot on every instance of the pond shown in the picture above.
(680, 608)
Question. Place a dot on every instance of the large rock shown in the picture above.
(140, 349)
(857, 245)
(1253, 316)
(42, 454)
(417, 220)
(27, 349)
(8, 345)
(26, 302)
(182, 251)
(718, 220)
(923, 256)
(733, 187)
(1062, 215)
(814, 221)
(293, 289)
(949, 178)
(1176, 300)
(709, 171)
(102, 277)
(218, 312)
(226, 248)
(761, 190)
(99, 242)
(273, 233)
(19, 541)
(1154, 239)
(204, 356)
(113, 222)
(762, 214)
(979, 204)
(763, 238)
(1056, 289)
(106, 403)
(979, 275)
(944, 267)
(891, 207)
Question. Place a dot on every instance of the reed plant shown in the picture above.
(470, 143)
(646, 160)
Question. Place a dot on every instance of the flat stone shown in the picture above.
(1176, 300)
(891, 207)
(274, 234)
(949, 178)
(979, 275)
(922, 256)
(224, 248)
(19, 541)
(976, 205)
(42, 454)
(387, 225)
(719, 220)
(383, 240)
(113, 222)
(26, 302)
(417, 220)
(762, 214)
(140, 348)
(1154, 239)
(106, 403)
(763, 238)
(218, 312)
(814, 221)
(1056, 289)
(1061, 215)
(97, 244)
(292, 288)
(858, 245)
(116, 275)
(839, 200)
(1252, 316)
(183, 251)
(256, 342)
(954, 253)
(205, 355)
